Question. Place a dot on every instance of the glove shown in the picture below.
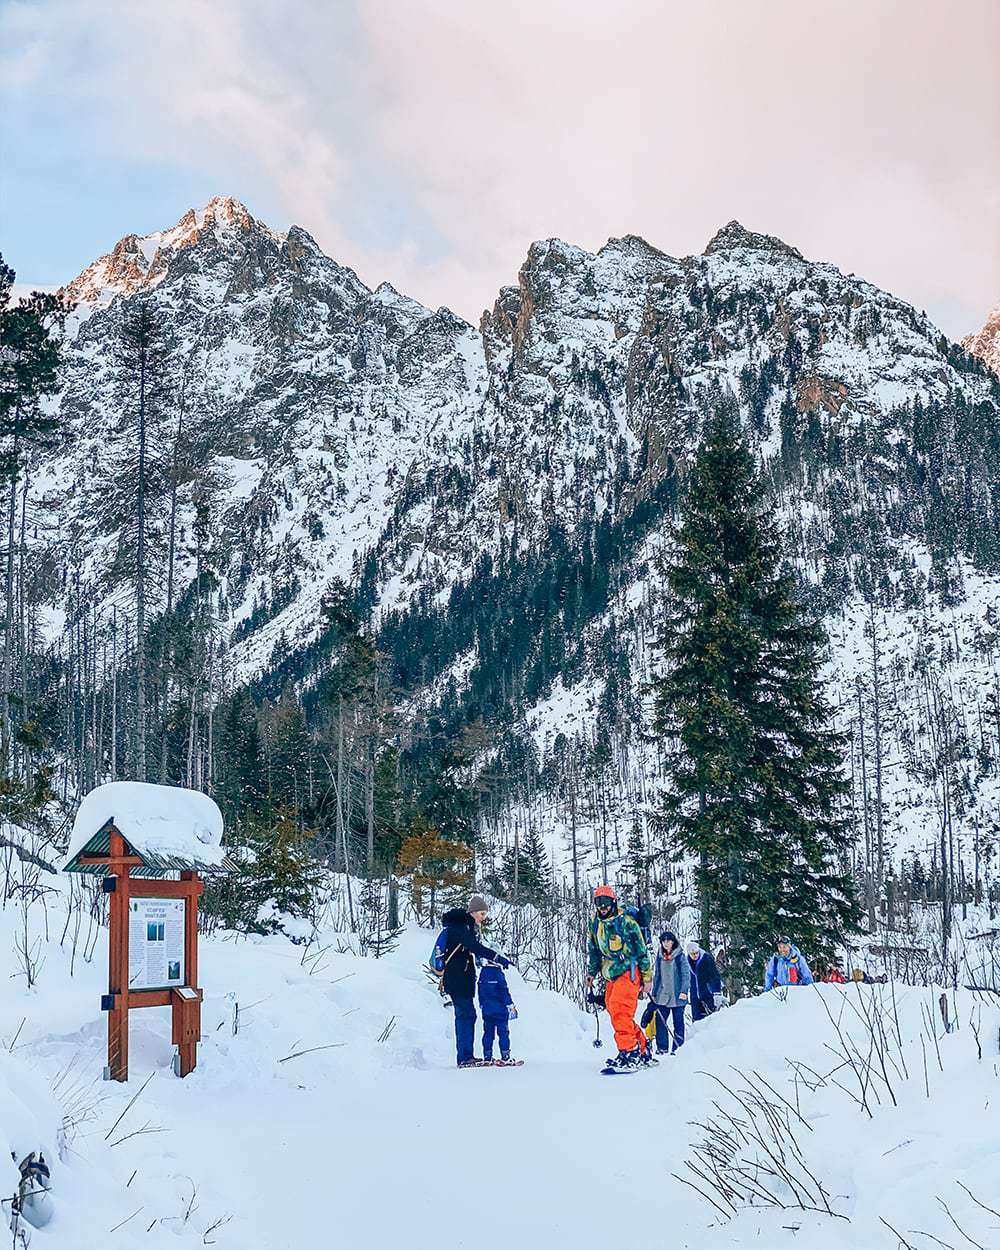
(589, 982)
(512, 1012)
(503, 961)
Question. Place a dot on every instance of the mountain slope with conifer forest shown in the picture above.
(475, 518)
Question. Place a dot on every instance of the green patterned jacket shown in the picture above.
(615, 946)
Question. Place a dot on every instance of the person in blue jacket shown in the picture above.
(787, 966)
(497, 1008)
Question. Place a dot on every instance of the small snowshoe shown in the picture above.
(508, 1063)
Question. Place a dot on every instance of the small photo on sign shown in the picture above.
(154, 932)
(174, 970)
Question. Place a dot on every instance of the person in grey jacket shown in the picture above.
(671, 992)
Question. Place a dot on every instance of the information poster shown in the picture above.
(155, 943)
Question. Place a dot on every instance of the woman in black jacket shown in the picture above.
(462, 948)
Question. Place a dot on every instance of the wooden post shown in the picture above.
(118, 963)
(189, 1032)
(191, 926)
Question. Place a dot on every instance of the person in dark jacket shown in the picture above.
(705, 981)
(497, 1008)
(462, 948)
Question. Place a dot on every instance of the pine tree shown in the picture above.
(285, 870)
(276, 874)
(30, 358)
(530, 866)
(754, 764)
(140, 479)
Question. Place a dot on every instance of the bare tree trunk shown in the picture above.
(6, 722)
(575, 853)
(22, 644)
(340, 859)
(114, 694)
(210, 743)
(140, 585)
(869, 873)
(517, 860)
(877, 727)
(705, 929)
(370, 805)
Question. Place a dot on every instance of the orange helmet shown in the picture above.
(605, 891)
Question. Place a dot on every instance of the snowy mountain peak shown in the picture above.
(554, 255)
(986, 344)
(632, 246)
(225, 208)
(734, 235)
(138, 262)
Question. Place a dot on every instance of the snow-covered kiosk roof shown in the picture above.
(169, 828)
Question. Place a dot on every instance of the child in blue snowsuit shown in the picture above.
(497, 1009)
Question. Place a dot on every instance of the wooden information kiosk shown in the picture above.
(151, 845)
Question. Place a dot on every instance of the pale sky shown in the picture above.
(428, 142)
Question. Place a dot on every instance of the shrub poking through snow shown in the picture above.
(749, 1153)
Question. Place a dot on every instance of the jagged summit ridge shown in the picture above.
(366, 412)
(140, 262)
(734, 235)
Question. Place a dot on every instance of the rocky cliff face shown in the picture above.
(332, 431)
(308, 400)
(986, 344)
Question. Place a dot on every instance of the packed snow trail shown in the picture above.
(387, 1144)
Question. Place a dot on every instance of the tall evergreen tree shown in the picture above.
(142, 357)
(30, 358)
(754, 763)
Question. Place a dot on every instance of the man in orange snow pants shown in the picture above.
(617, 950)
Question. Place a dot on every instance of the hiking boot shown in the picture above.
(624, 1059)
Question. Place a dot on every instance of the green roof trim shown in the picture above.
(155, 867)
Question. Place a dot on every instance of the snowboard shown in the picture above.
(607, 1070)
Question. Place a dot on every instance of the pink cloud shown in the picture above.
(429, 142)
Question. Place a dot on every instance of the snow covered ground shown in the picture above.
(301, 1128)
